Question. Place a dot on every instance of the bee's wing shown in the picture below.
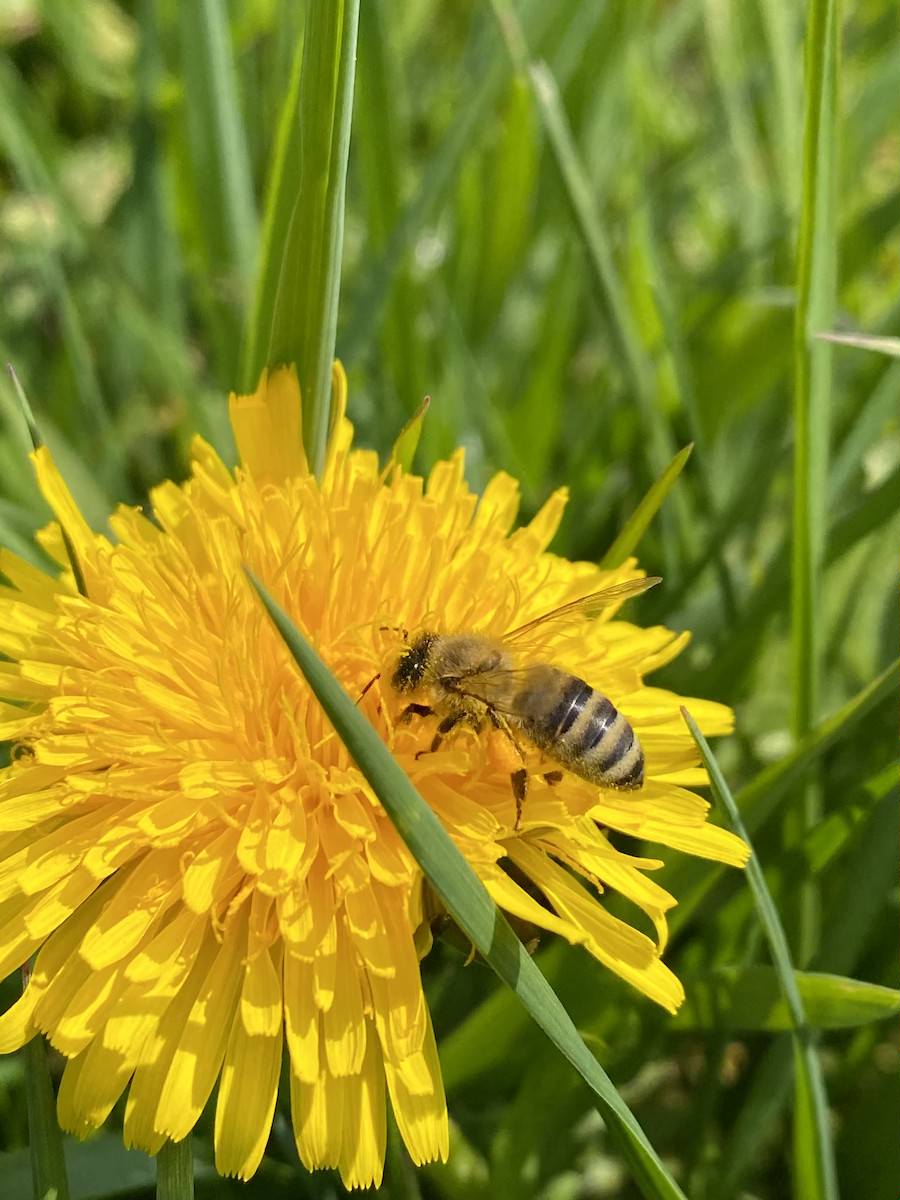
(499, 688)
(586, 606)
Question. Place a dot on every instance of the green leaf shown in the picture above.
(813, 1151)
(750, 999)
(816, 286)
(466, 899)
(637, 523)
(304, 316)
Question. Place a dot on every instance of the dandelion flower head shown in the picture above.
(195, 865)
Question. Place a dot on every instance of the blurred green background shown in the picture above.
(136, 150)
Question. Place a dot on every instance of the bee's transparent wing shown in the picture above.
(585, 607)
(498, 689)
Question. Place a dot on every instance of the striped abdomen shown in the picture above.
(583, 731)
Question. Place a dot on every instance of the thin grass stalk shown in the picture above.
(304, 320)
(816, 272)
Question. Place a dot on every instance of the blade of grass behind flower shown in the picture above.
(814, 1171)
(304, 315)
(864, 341)
(782, 97)
(281, 194)
(466, 899)
(816, 271)
(218, 139)
(382, 141)
(634, 527)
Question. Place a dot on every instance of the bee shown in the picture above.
(469, 678)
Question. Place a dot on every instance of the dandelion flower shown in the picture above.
(198, 868)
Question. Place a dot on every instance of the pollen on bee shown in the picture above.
(501, 753)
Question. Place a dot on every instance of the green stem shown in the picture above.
(48, 1162)
(175, 1171)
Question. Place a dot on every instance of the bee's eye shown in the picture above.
(408, 672)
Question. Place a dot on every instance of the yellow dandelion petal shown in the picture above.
(17, 1023)
(201, 1048)
(317, 1111)
(249, 1081)
(186, 848)
(267, 426)
(91, 1084)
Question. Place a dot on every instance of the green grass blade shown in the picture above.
(816, 278)
(281, 193)
(48, 1163)
(864, 341)
(218, 140)
(815, 1175)
(635, 526)
(304, 318)
(750, 999)
(778, 20)
(381, 141)
(466, 898)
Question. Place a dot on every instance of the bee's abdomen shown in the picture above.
(587, 733)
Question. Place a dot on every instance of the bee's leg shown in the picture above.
(500, 722)
(443, 729)
(553, 777)
(414, 710)
(519, 781)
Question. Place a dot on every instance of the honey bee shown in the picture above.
(469, 678)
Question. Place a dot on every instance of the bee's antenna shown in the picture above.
(374, 679)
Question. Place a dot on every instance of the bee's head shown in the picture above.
(411, 664)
